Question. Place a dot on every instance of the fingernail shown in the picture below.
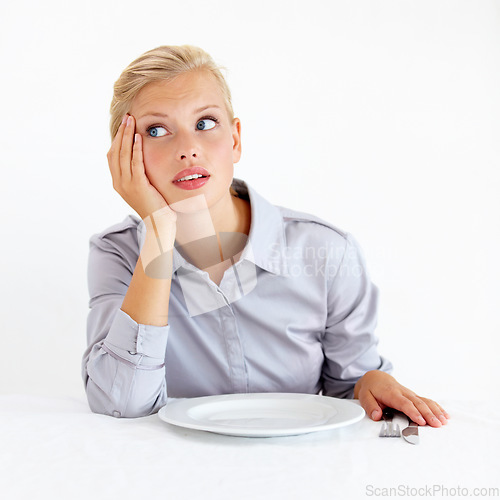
(443, 419)
(421, 420)
(374, 414)
(124, 119)
(129, 120)
(435, 421)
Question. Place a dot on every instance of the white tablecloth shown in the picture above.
(56, 448)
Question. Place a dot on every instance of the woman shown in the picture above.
(214, 290)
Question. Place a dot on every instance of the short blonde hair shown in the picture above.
(163, 63)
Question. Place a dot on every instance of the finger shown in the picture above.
(370, 405)
(428, 414)
(437, 410)
(126, 149)
(405, 403)
(432, 412)
(137, 158)
(114, 150)
(443, 411)
(420, 411)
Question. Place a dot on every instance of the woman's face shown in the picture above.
(186, 131)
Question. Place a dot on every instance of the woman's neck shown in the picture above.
(238, 221)
(208, 237)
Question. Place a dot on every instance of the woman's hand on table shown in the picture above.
(126, 164)
(377, 390)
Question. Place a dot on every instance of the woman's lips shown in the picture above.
(191, 178)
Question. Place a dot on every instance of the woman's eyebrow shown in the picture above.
(164, 115)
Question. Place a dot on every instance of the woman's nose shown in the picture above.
(186, 146)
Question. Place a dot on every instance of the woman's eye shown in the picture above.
(206, 124)
(157, 131)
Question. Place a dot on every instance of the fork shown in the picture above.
(388, 428)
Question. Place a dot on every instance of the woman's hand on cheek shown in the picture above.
(126, 164)
(377, 390)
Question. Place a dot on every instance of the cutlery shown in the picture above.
(388, 429)
(410, 433)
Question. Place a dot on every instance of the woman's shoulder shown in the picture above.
(114, 250)
(121, 234)
(305, 221)
(311, 238)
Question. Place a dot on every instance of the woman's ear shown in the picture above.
(236, 133)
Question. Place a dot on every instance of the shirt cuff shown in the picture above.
(136, 338)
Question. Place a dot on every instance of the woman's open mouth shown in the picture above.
(191, 178)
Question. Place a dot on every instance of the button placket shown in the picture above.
(234, 348)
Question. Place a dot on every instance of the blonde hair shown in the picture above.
(162, 64)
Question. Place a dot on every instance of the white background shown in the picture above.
(381, 116)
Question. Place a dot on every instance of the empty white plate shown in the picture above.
(262, 414)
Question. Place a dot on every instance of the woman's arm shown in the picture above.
(127, 325)
(353, 367)
(123, 366)
(147, 297)
(349, 342)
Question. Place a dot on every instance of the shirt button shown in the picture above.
(117, 414)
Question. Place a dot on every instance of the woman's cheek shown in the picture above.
(224, 150)
(152, 158)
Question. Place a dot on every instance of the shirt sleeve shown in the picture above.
(123, 367)
(349, 343)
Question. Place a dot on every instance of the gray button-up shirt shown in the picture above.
(296, 313)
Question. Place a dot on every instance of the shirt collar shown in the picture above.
(265, 246)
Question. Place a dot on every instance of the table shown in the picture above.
(57, 448)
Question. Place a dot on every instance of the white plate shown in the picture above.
(262, 414)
